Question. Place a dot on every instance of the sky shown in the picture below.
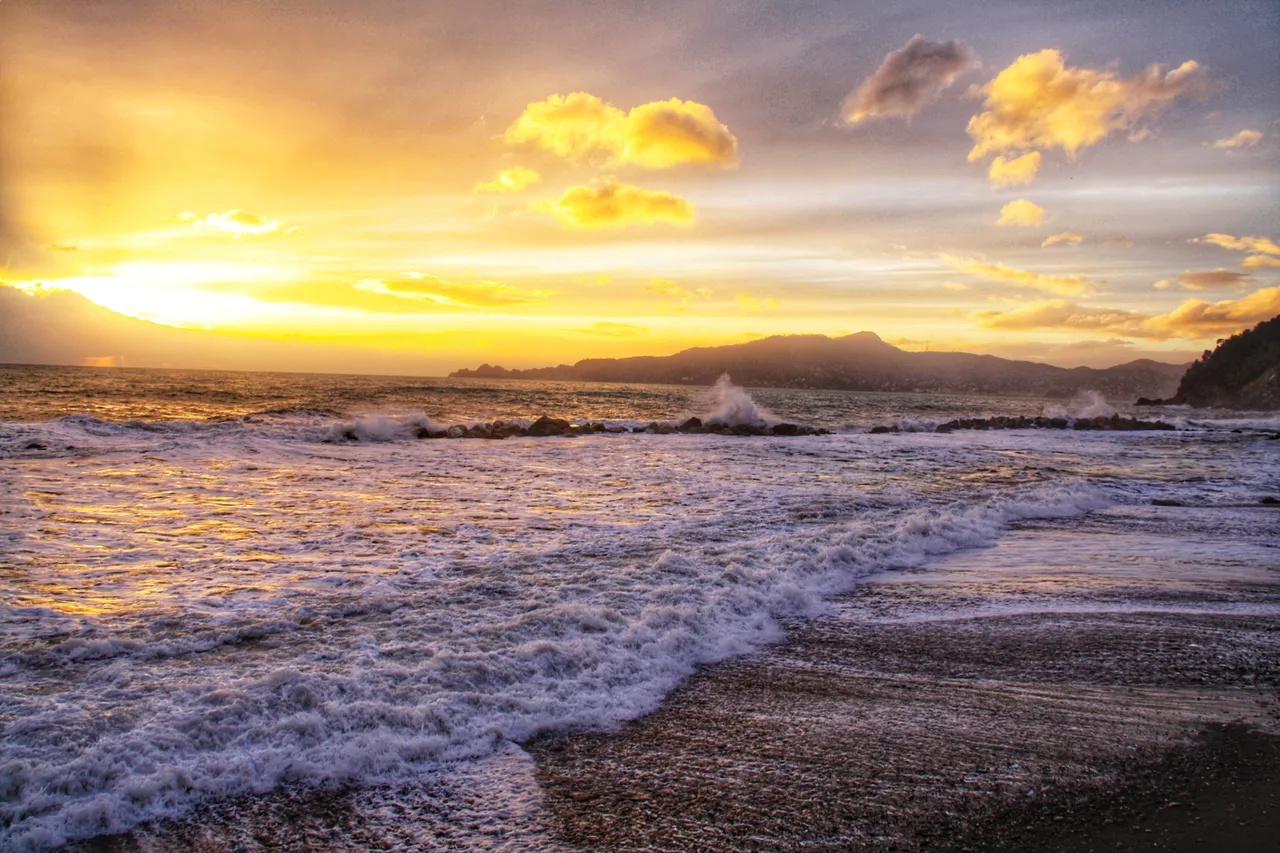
(445, 183)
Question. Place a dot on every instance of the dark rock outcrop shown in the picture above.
(1102, 422)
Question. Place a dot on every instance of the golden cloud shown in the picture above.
(1257, 262)
(1193, 319)
(1038, 102)
(237, 222)
(747, 302)
(1064, 284)
(1022, 213)
(509, 181)
(1197, 319)
(431, 289)
(1243, 139)
(1066, 238)
(1122, 242)
(614, 330)
(1061, 314)
(908, 78)
(1259, 245)
(608, 203)
(1218, 279)
(657, 135)
(671, 290)
(1017, 172)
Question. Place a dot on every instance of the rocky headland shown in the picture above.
(1242, 372)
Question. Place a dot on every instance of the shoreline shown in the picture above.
(1008, 699)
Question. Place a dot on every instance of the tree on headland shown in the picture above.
(1242, 372)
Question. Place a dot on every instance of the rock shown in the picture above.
(455, 432)
(785, 429)
(426, 432)
(882, 430)
(1145, 401)
(615, 429)
(692, 425)
(548, 426)
(665, 429)
(1270, 500)
(505, 429)
(1166, 502)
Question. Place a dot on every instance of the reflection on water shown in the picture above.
(39, 393)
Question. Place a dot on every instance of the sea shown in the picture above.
(225, 584)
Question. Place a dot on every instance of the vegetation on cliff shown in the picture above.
(1242, 372)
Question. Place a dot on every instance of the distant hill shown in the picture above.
(859, 362)
(1242, 372)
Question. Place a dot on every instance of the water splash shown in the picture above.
(726, 403)
(1086, 404)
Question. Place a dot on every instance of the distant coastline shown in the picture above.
(858, 362)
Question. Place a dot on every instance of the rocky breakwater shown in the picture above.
(545, 427)
(1101, 422)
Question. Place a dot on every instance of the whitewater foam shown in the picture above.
(365, 651)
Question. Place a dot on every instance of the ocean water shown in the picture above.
(206, 592)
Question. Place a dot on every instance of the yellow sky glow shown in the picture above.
(254, 189)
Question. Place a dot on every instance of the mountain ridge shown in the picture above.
(858, 362)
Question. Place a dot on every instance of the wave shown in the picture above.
(371, 708)
(726, 403)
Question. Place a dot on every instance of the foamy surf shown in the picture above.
(309, 596)
(406, 674)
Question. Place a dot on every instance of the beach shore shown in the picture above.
(1048, 695)
(1089, 716)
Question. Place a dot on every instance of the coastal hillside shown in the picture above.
(858, 362)
(1242, 372)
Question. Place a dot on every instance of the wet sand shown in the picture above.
(1102, 718)
(1004, 700)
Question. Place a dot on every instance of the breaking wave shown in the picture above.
(393, 680)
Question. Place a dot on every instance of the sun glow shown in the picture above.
(173, 292)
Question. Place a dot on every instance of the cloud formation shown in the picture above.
(1219, 279)
(1070, 285)
(748, 303)
(908, 78)
(1021, 213)
(1066, 238)
(1260, 245)
(1258, 262)
(1193, 319)
(614, 330)
(434, 290)
(610, 204)
(1015, 172)
(237, 222)
(670, 290)
(1060, 314)
(1039, 103)
(1197, 319)
(657, 135)
(1243, 139)
(511, 180)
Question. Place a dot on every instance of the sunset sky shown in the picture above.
(533, 183)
